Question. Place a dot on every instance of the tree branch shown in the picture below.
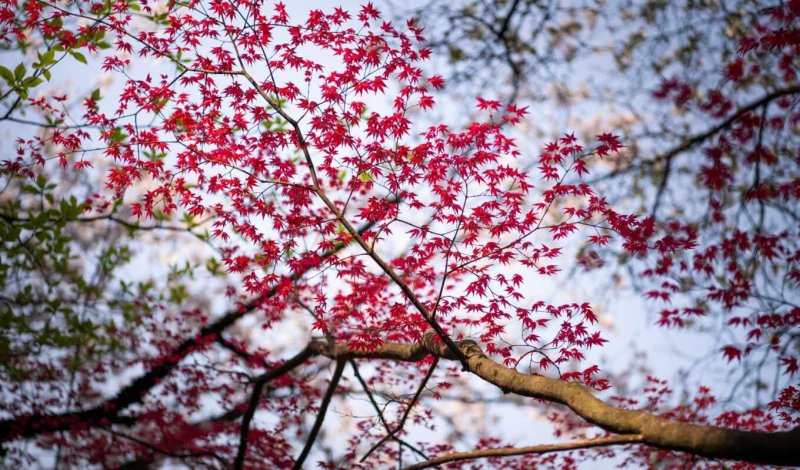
(303, 145)
(691, 141)
(778, 448)
(540, 449)
(698, 138)
(382, 419)
(255, 397)
(323, 408)
(393, 432)
(166, 452)
(32, 425)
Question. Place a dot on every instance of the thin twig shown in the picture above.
(364, 385)
(303, 145)
(403, 420)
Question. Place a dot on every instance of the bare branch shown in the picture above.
(255, 397)
(540, 449)
(694, 140)
(323, 408)
(406, 414)
(377, 408)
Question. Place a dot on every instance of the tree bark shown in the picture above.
(778, 448)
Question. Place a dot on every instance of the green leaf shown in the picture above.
(117, 135)
(48, 57)
(7, 75)
(19, 72)
(214, 267)
(32, 82)
(78, 56)
(64, 206)
(155, 156)
(41, 219)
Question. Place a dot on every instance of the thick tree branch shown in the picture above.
(778, 448)
(32, 425)
(540, 449)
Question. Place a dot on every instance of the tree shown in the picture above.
(722, 75)
(241, 233)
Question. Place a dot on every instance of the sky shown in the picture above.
(630, 328)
